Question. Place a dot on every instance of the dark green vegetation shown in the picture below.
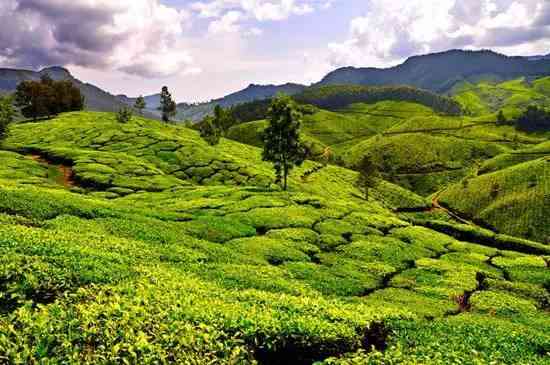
(47, 97)
(142, 243)
(340, 96)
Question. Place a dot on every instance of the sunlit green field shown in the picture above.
(159, 248)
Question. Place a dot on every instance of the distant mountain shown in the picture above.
(96, 98)
(538, 58)
(439, 72)
(195, 112)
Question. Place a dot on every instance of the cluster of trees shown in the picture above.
(534, 119)
(340, 96)
(47, 97)
(213, 127)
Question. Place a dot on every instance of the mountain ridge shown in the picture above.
(439, 72)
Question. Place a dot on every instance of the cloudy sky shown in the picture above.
(204, 49)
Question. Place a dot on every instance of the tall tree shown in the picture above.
(368, 175)
(167, 104)
(281, 138)
(7, 114)
(140, 104)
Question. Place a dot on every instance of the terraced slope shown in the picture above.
(514, 200)
(197, 269)
(510, 96)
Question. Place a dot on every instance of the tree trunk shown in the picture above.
(285, 172)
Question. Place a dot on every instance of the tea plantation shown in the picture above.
(140, 243)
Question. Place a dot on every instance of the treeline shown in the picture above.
(334, 97)
(47, 97)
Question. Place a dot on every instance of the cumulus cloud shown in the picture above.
(392, 31)
(227, 15)
(141, 37)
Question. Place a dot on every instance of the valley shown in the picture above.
(142, 241)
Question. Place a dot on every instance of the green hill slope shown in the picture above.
(514, 200)
(157, 248)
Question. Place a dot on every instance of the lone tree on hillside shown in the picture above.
(47, 97)
(167, 105)
(7, 113)
(124, 115)
(140, 104)
(368, 175)
(223, 119)
(282, 138)
(210, 132)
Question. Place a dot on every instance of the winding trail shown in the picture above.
(65, 173)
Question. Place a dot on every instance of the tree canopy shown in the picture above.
(281, 138)
(368, 174)
(534, 119)
(167, 104)
(47, 97)
(140, 104)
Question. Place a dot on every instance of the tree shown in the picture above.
(281, 138)
(124, 115)
(501, 119)
(167, 105)
(140, 104)
(47, 97)
(7, 114)
(223, 119)
(368, 175)
(209, 131)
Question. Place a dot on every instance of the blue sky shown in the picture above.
(203, 49)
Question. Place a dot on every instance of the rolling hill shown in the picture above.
(96, 98)
(140, 242)
(440, 72)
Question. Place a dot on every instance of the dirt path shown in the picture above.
(436, 205)
(62, 174)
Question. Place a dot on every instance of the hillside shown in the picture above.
(513, 200)
(196, 112)
(141, 243)
(440, 72)
(96, 98)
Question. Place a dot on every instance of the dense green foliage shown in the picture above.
(167, 105)
(124, 115)
(47, 97)
(281, 138)
(7, 114)
(534, 119)
(140, 104)
(340, 96)
(158, 247)
(514, 199)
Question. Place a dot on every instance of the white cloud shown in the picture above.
(140, 37)
(225, 19)
(394, 30)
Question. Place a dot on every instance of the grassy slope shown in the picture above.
(195, 268)
(511, 96)
(514, 200)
